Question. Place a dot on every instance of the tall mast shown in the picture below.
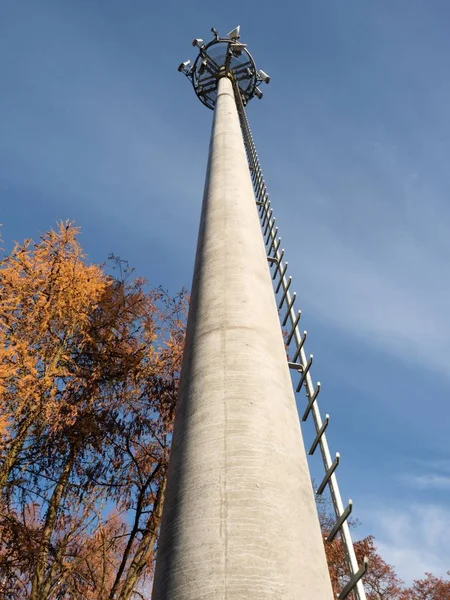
(239, 518)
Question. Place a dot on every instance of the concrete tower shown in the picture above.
(239, 519)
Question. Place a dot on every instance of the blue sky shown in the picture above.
(353, 134)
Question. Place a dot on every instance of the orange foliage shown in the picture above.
(380, 582)
(89, 371)
(429, 588)
(47, 293)
(89, 368)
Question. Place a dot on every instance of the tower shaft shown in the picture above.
(239, 520)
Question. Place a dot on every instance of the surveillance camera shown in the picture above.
(258, 93)
(263, 76)
(184, 65)
(197, 42)
(237, 48)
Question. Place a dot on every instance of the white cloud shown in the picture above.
(434, 474)
(369, 232)
(442, 465)
(414, 539)
(427, 481)
(385, 286)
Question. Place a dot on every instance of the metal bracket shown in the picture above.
(295, 366)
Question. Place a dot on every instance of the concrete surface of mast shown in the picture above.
(239, 519)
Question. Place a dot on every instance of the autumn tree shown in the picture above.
(428, 588)
(90, 360)
(380, 582)
(89, 367)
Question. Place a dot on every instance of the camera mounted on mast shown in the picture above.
(223, 57)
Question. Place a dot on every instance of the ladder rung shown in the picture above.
(311, 401)
(277, 245)
(300, 346)
(354, 580)
(270, 224)
(267, 215)
(283, 298)
(264, 197)
(319, 435)
(345, 515)
(273, 237)
(289, 308)
(282, 274)
(328, 474)
(278, 265)
(294, 326)
(269, 233)
(304, 373)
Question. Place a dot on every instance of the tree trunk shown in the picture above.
(145, 548)
(18, 442)
(40, 587)
(13, 452)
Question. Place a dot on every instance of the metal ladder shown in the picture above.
(300, 362)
